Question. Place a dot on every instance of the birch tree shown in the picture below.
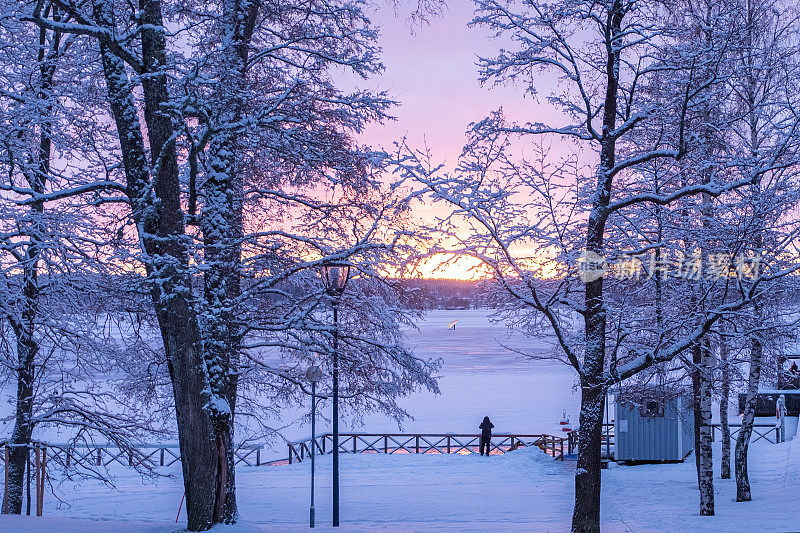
(766, 81)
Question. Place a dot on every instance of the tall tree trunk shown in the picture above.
(25, 327)
(156, 210)
(725, 392)
(706, 480)
(221, 223)
(27, 349)
(743, 438)
(586, 512)
(753, 68)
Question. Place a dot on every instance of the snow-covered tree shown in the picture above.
(55, 341)
(529, 218)
(243, 161)
(764, 83)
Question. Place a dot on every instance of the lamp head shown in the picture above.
(314, 374)
(335, 277)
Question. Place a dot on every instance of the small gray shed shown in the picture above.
(653, 429)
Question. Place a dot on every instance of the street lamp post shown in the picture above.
(335, 277)
(314, 375)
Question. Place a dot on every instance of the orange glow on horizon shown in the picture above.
(447, 266)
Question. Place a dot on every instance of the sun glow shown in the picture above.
(451, 266)
(542, 264)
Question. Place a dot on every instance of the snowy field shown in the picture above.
(520, 491)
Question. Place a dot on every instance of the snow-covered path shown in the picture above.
(520, 491)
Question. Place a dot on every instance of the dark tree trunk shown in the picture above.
(156, 210)
(586, 514)
(221, 223)
(24, 327)
(743, 438)
(23, 429)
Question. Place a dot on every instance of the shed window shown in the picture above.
(652, 409)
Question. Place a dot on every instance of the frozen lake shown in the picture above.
(480, 377)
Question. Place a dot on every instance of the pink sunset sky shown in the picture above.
(431, 69)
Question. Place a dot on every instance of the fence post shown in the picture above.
(355, 446)
(38, 480)
(562, 449)
(99, 456)
(385, 444)
(28, 479)
(290, 453)
(258, 456)
(161, 460)
(5, 486)
(417, 444)
(448, 444)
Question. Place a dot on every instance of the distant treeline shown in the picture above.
(445, 294)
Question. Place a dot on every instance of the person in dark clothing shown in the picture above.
(486, 435)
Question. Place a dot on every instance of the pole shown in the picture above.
(5, 487)
(180, 507)
(28, 477)
(335, 413)
(38, 479)
(313, 444)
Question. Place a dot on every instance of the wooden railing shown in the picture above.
(768, 432)
(429, 443)
(92, 456)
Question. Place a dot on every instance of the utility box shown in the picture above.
(653, 429)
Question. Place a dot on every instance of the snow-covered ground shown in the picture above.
(520, 491)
